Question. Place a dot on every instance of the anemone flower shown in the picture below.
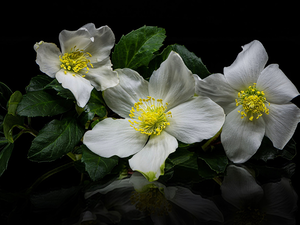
(256, 100)
(82, 63)
(156, 114)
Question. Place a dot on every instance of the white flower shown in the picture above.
(256, 101)
(155, 113)
(136, 198)
(83, 61)
(270, 203)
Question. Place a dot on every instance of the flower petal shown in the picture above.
(114, 137)
(216, 87)
(197, 79)
(200, 208)
(48, 58)
(80, 38)
(239, 188)
(281, 123)
(241, 137)
(130, 89)
(195, 120)
(79, 86)
(276, 86)
(102, 77)
(102, 43)
(244, 71)
(172, 81)
(150, 161)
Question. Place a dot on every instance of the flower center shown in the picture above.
(151, 201)
(75, 61)
(253, 102)
(149, 116)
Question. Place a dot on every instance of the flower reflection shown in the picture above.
(152, 201)
(136, 199)
(99, 213)
(251, 203)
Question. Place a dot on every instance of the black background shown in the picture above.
(214, 31)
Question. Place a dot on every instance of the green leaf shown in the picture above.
(95, 109)
(180, 156)
(136, 48)
(9, 123)
(191, 163)
(187, 170)
(38, 83)
(56, 139)
(13, 102)
(158, 59)
(41, 103)
(205, 171)
(96, 97)
(97, 166)
(61, 91)
(268, 152)
(215, 159)
(5, 154)
(3, 141)
(12, 120)
(5, 94)
(95, 105)
(193, 62)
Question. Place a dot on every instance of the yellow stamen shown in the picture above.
(253, 102)
(149, 116)
(75, 61)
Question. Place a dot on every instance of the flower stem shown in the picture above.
(218, 180)
(208, 144)
(72, 156)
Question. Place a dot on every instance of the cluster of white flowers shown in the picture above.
(248, 102)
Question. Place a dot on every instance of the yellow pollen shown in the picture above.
(149, 116)
(75, 61)
(151, 201)
(253, 102)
